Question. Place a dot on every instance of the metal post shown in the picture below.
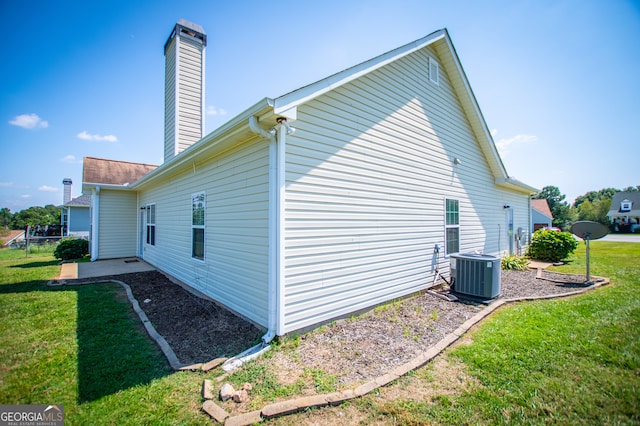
(588, 261)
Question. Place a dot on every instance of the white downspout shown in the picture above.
(283, 130)
(95, 216)
(272, 233)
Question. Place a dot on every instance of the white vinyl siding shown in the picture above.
(118, 224)
(184, 92)
(235, 269)
(367, 171)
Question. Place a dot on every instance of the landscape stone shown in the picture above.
(207, 389)
(240, 396)
(244, 419)
(213, 364)
(215, 411)
(226, 392)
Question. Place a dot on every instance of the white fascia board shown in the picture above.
(290, 100)
(516, 185)
(210, 141)
(88, 186)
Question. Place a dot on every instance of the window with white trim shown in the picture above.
(434, 71)
(452, 226)
(625, 206)
(151, 224)
(197, 225)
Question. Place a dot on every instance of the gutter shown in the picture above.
(95, 216)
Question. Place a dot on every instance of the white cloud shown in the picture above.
(25, 196)
(503, 144)
(46, 188)
(212, 110)
(6, 184)
(29, 121)
(70, 159)
(87, 137)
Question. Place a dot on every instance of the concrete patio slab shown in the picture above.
(102, 268)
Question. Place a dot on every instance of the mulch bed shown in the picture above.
(353, 349)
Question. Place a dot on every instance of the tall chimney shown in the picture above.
(67, 190)
(184, 88)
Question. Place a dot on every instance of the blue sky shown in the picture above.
(558, 82)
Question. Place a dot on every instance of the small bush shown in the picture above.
(551, 246)
(518, 263)
(71, 248)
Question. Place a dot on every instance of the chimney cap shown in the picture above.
(187, 28)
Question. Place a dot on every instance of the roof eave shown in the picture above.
(304, 94)
(516, 185)
(214, 141)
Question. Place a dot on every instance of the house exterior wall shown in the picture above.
(235, 269)
(367, 174)
(117, 233)
(79, 221)
(539, 220)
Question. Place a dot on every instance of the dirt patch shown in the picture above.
(197, 330)
(354, 350)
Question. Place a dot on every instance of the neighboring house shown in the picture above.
(76, 217)
(624, 212)
(541, 215)
(113, 231)
(12, 239)
(391, 168)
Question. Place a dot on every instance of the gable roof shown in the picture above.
(81, 201)
(12, 236)
(619, 197)
(268, 110)
(100, 171)
(541, 206)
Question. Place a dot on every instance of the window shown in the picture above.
(625, 206)
(434, 71)
(197, 225)
(452, 226)
(151, 224)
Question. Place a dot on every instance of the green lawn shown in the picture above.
(84, 347)
(568, 361)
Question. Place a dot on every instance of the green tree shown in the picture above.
(562, 213)
(5, 218)
(595, 211)
(606, 193)
(48, 215)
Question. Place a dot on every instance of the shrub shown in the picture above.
(552, 246)
(71, 248)
(518, 263)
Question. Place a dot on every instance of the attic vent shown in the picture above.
(434, 71)
(625, 206)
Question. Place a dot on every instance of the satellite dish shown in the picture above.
(589, 230)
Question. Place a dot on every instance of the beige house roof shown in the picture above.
(113, 172)
(542, 206)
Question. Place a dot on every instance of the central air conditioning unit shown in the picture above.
(476, 275)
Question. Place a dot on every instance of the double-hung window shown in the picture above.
(198, 212)
(151, 224)
(452, 226)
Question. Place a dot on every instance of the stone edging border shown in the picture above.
(291, 406)
(336, 398)
(162, 343)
